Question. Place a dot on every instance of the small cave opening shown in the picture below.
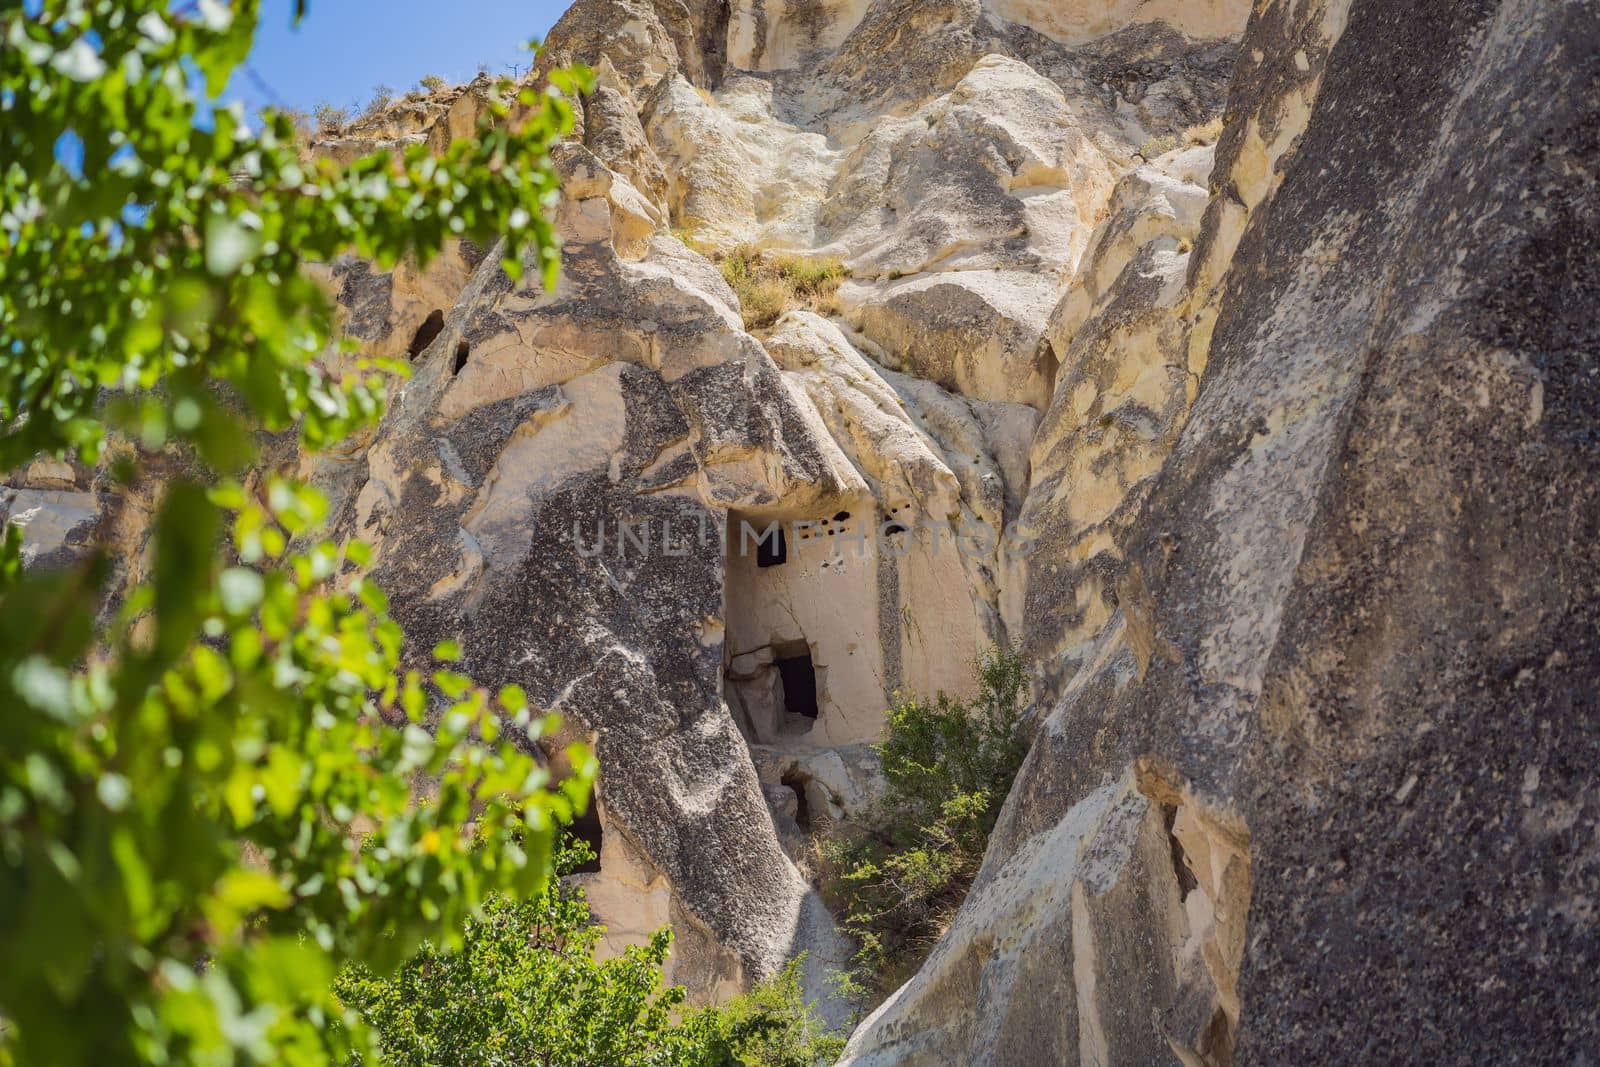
(1049, 364)
(431, 327)
(1187, 882)
(797, 782)
(799, 677)
(772, 549)
(587, 828)
(463, 350)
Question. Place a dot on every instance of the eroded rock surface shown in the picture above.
(1248, 384)
(1350, 621)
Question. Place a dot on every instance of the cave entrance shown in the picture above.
(797, 783)
(799, 677)
(431, 327)
(587, 828)
(772, 550)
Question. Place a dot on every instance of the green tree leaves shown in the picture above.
(172, 253)
(217, 792)
(524, 987)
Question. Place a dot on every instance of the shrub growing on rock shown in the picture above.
(771, 283)
(330, 118)
(898, 879)
(525, 988)
(382, 97)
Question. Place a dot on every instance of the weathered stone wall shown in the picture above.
(1269, 432)
(1354, 625)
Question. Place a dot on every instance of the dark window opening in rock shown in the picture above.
(843, 516)
(772, 549)
(1049, 364)
(1187, 882)
(799, 684)
(802, 811)
(586, 828)
(891, 528)
(462, 351)
(1216, 1044)
(430, 328)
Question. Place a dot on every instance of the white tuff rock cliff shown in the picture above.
(1236, 361)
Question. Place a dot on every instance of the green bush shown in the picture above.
(770, 1026)
(525, 988)
(898, 879)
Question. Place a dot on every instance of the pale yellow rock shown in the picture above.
(997, 172)
(1075, 21)
(738, 173)
(1121, 394)
(975, 332)
(784, 34)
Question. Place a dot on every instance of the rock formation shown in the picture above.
(1238, 364)
(1314, 786)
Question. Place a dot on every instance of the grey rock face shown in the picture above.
(1286, 440)
(58, 525)
(1355, 633)
(1430, 700)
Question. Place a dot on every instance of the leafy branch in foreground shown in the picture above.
(171, 253)
(949, 766)
(208, 805)
(231, 707)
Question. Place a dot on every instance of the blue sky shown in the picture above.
(345, 47)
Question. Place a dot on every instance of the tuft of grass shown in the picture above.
(1158, 146)
(769, 284)
(1205, 133)
(432, 82)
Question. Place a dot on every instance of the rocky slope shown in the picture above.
(1273, 448)
(573, 483)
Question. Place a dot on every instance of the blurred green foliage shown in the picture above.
(208, 796)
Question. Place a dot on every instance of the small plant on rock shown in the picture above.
(1205, 133)
(1159, 146)
(330, 118)
(949, 765)
(769, 284)
(382, 97)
